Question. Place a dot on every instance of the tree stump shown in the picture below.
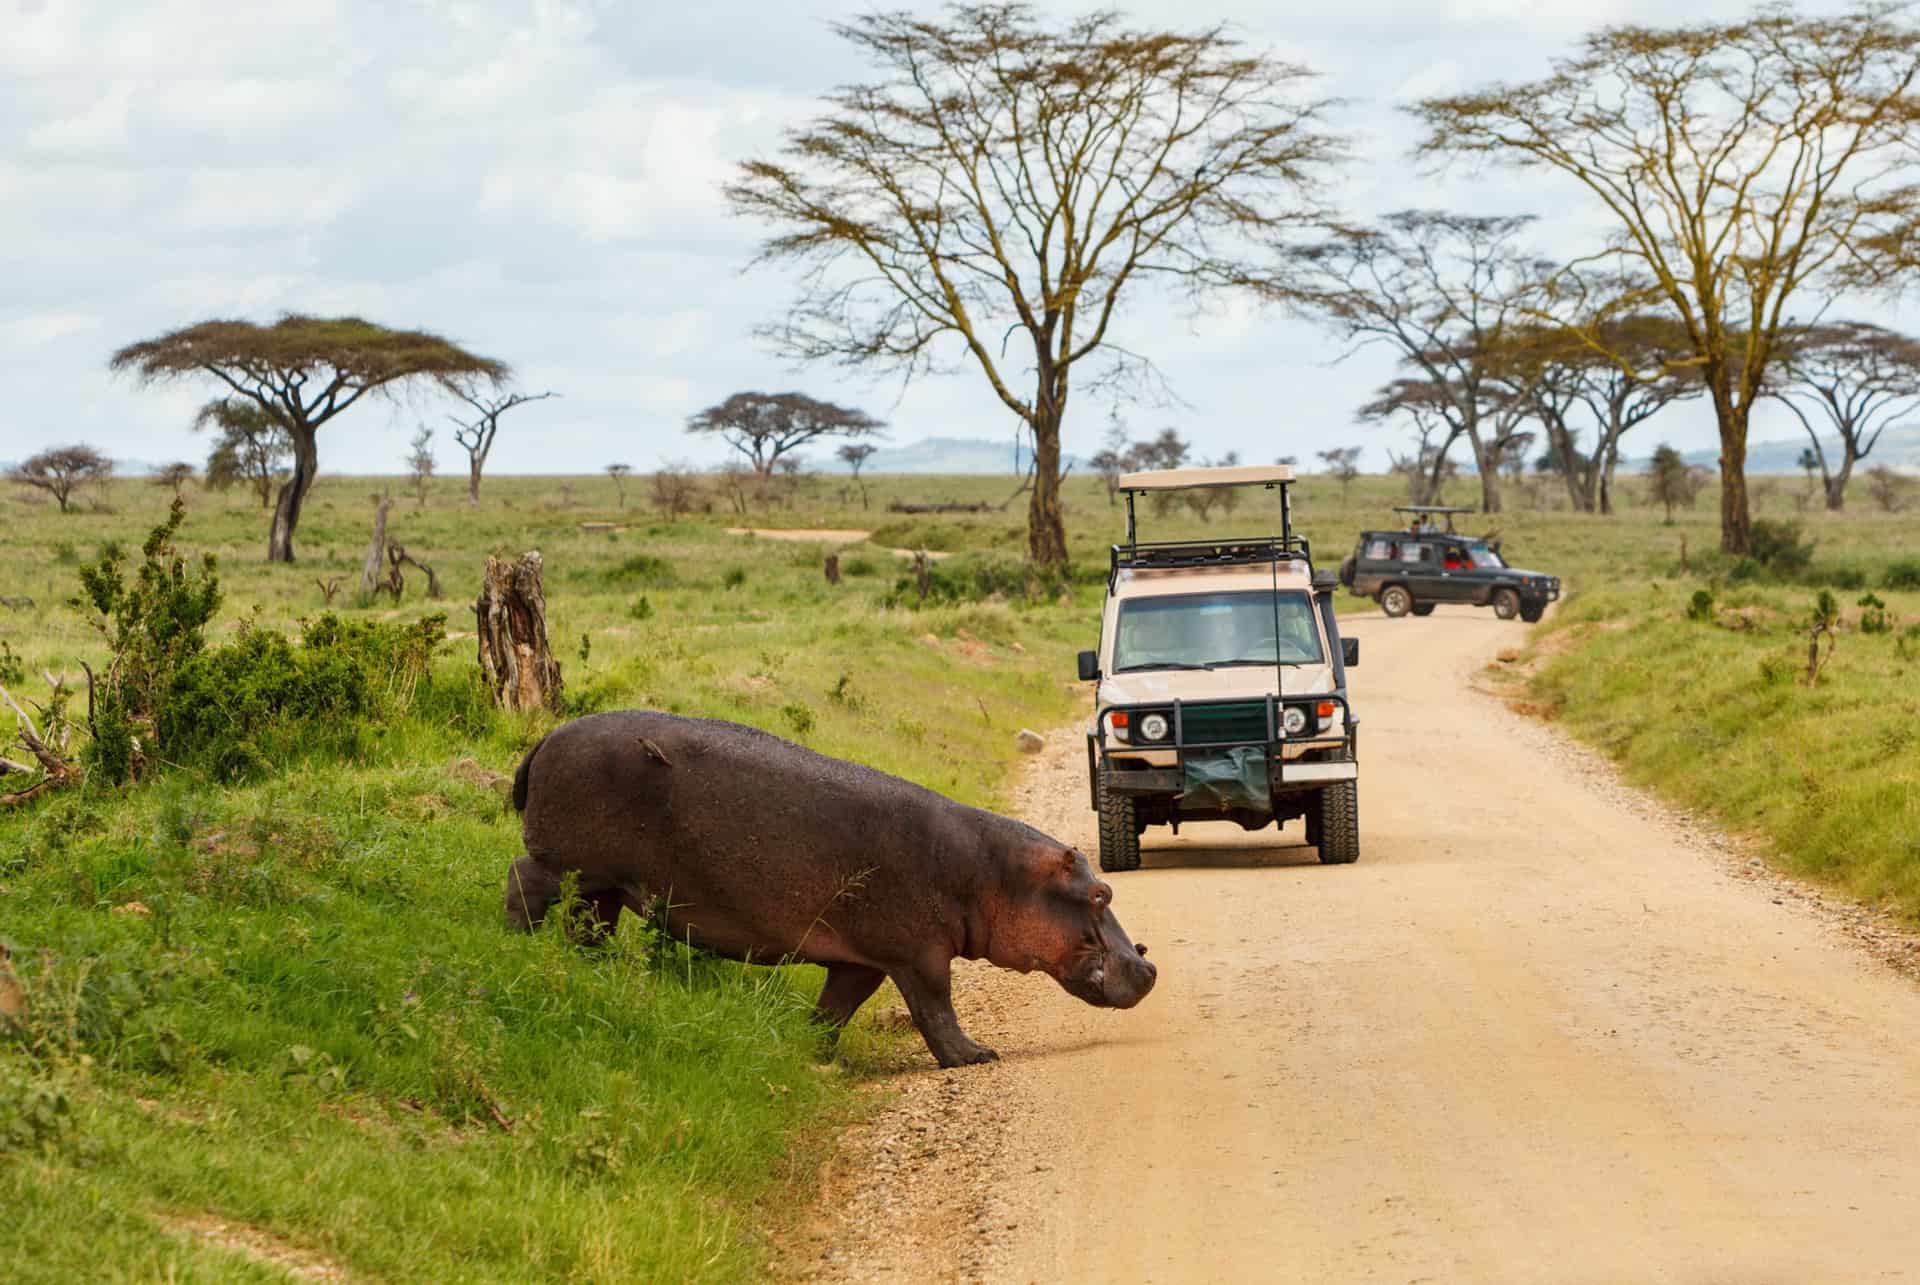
(833, 568)
(511, 619)
(370, 581)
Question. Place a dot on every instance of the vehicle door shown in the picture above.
(1420, 570)
(1455, 579)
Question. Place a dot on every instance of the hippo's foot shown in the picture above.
(967, 1054)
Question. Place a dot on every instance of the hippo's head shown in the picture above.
(1061, 923)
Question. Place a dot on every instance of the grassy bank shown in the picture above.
(281, 1011)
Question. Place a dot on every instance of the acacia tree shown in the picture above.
(620, 473)
(764, 427)
(1670, 481)
(1430, 406)
(1856, 376)
(302, 371)
(854, 455)
(1744, 165)
(1343, 465)
(1004, 178)
(420, 463)
(174, 476)
(1642, 370)
(252, 447)
(1447, 292)
(476, 434)
(62, 469)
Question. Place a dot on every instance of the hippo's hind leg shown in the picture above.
(848, 987)
(531, 890)
(928, 990)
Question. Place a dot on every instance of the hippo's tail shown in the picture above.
(520, 777)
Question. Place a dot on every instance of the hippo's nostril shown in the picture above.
(1140, 949)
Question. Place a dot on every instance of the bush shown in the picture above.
(1873, 616)
(13, 671)
(235, 707)
(647, 571)
(735, 577)
(1777, 546)
(979, 578)
(1701, 607)
(1904, 574)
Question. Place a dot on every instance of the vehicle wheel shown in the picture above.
(1119, 830)
(1423, 608)
(1532, 614)
(1346, 571)
(1506, 604)
(1395, 600)
(1333, 823)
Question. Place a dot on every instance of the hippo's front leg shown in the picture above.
(928, 990)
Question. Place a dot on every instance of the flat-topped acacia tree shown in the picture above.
(302, 371)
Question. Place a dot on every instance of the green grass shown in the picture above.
(319, 1030)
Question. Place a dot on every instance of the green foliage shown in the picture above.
(641, 609)
(1700, 606)
(1778, 547)
(735, 577)
(36, 1112)
(152, 626)
(235, 709)
(647, 571)
(1907, 645)
(799, 716)
(1903, 574)
(1873, 616)
(982, 578)
(1776, 671)
(13, 670)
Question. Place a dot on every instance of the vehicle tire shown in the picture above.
(1347, 570)
(1423, 608)
(1395, 600)
(1506, 603)
(1532, 614)
(1333, 823)
(1119, 830)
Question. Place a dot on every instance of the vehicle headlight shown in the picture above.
(1293, 720)
(1154, 727)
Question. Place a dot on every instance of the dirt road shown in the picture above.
(1537, 1033)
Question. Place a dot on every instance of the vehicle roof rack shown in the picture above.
(1229, 552)
(1186, 479)
(1430, 509)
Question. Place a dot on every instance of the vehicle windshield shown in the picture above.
(1212, 630)
(1483, 556)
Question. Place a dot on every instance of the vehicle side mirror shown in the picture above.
(1349, 652)
(1089, 667)
(1325, 581)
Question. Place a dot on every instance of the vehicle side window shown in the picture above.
(1381, 551)
(1414, 553)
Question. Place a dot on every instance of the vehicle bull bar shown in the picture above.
(1163, 780)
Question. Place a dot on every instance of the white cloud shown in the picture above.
(40, 328)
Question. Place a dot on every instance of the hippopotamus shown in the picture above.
(765, 851)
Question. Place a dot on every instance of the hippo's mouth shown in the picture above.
(1109, 981)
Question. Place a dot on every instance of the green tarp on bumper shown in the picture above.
(1236, 778)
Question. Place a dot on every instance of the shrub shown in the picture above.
(1701, 607)
(1904, 574)
(1845, 579)
(153, 626)
(1873, 616)
(799, 717)
(858, 567)
(735, 577)
(1907, 645)
(641, 608)
(1775, 671)
(13, 671)
(1777, 546)
(979, 578)
(647, 571)
(232, 707)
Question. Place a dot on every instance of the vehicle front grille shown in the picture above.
(1224, 723)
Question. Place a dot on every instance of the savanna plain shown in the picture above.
(260, 1013)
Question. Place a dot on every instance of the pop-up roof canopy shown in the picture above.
(1185, 479)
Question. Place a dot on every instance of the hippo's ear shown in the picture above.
(1043, 865)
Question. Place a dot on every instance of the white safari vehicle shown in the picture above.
(1221, 683)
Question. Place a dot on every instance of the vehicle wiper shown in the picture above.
(1161, 664)
(1258, 660)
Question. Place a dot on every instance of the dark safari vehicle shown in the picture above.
(1415, 569)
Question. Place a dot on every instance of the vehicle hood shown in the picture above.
(1241, 682)
(1523, 574)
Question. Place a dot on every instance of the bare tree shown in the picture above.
(1430, 405)
(854, 455)
(1887, 488)
(1445, 291)
(620, 473)
(61, 470)
(1743, 164)
(174, 476)
(1343, 465)
(476, 434)
(1855, 376)
(763, 427)
(420, 464)
(303, 371)
(252, 448)
(676, 489)
(1005, 178)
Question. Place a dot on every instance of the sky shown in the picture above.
(539, 181)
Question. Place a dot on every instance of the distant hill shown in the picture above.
(1899, 447)
(948, 455)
